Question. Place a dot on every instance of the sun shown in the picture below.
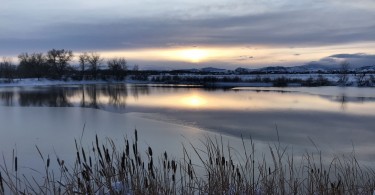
(194, 55)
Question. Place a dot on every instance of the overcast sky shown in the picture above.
(193, 33)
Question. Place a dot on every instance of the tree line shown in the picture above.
(56, 64)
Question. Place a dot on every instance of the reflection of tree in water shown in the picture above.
(107, 97)
(344, 101)
(93, 96)
(54, 97)
(136, 91)
(7, 97)
(117, 95)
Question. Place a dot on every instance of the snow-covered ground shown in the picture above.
(253, 80)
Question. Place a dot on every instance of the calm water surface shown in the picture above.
(334, 118)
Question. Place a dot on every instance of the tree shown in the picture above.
(118, 67)
(344, 73)
(59, 60)
(94, 60)
(33, 66)
(83, 61)
(7, 69)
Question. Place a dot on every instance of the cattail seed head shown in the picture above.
(15, 164)
(48, 161)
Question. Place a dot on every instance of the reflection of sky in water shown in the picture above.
(331, 116)
(127, 98)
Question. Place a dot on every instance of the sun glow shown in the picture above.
(194, 55)
(194, 101)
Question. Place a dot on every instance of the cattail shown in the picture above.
(123, 161)
(107, 157)
(100, 153)
(174, 167)
(136, 135)
(78, 158)
(269, 170)
(97, 141)
(165, 155)
(127, 148)
(90, 161)
(151, 163)
(222, 160)
(149, 151)
(48, 160)
(84, 155)
(146, 183)
(15, 163)
(58, 161)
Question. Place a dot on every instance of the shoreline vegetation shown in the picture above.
(266, 80)
(108, 168)
(56, 66)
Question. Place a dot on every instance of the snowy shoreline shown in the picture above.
(260, 80)
(47, 82)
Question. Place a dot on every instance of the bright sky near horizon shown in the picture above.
(190, 33)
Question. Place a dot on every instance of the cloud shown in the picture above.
(353, 56)
(303, 28)
(356, 60)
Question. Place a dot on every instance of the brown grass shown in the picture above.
(106, 169)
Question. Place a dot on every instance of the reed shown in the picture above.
(107, 168)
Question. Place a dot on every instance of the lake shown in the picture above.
(335, 120)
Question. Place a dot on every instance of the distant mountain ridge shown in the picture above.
(307, 68)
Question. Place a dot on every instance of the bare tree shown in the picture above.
(33, 65)
(59, 60)
(94, 60)
(7, 69)
(118, 67)
(83, 61)
(344, 73)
